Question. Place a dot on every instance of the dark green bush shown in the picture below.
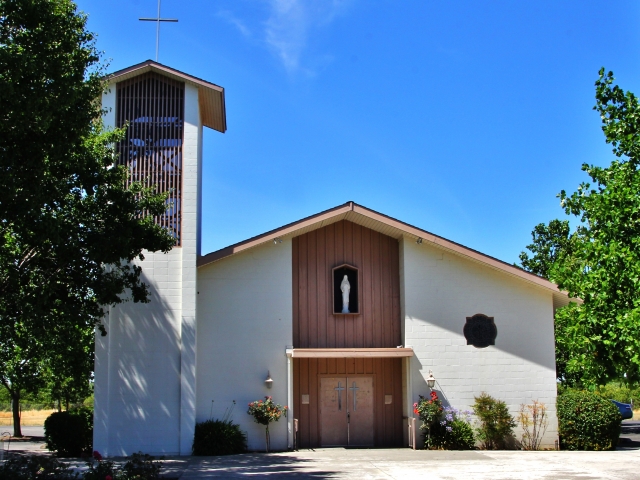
(99, 470)
(587, 421)
(141, 467)
(218, 437)
(452, 431)
(35, 467)
(69, 434)
(496, 423)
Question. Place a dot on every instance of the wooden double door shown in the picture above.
(346, 411)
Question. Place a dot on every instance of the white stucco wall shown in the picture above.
(244, 327)
(145, 366)
(440, 290)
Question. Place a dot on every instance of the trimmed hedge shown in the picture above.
(587, 421)
(70, 434)
(218, 437)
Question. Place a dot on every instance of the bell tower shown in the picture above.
(145, 367)
(152, 107)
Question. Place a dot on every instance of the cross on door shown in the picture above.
(339, 389)
(354, 391)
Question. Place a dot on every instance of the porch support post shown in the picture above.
(290, 414)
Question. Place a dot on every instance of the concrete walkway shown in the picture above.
(340, 463)
(387, 464)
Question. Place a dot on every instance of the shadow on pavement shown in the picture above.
(258, 465)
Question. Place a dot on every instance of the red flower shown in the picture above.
(434, 396)
(415, 410)
(96, 455)
(108, 477)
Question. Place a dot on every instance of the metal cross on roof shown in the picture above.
(158, 20)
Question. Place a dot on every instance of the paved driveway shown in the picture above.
(338, 463)
(406, 464)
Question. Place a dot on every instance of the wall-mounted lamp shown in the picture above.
(419, 241)
(277, 241)
(431, 380)
(269, 381)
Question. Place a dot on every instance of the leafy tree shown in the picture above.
(599, 339)
(69, 228)
(548, 242)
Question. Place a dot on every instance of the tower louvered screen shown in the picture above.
(153, 107)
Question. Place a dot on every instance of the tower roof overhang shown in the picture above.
(210, 95)
(392, 227)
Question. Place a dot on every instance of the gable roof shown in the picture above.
(210, 95)
(388, 226)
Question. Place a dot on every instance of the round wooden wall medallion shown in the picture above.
(480, 331)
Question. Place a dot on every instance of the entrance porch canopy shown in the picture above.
(350, 352)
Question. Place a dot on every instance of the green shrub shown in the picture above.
(100, 469)
(218, 437)
(428, 410)
(587, 421)
(69, 434)
(35, 467)
(452, 431)
(139, 466)
(620, 392)
(496, 423)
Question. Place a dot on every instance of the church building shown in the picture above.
(346, 316)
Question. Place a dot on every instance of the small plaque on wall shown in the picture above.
(480, 331)
(388, 399)
(305, 399)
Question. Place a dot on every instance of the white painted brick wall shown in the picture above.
(145, 367)
(440, 290)
(244, 326)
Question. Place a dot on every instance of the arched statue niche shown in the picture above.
(346, 291)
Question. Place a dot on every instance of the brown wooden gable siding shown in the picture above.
(377, 256)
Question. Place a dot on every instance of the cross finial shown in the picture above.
(158, 20)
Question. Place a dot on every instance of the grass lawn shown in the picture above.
(32, 417)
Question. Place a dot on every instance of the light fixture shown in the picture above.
(277, 241)
(269, 381)
(419, 241)
(431, 380)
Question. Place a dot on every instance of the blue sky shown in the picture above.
(464, 118)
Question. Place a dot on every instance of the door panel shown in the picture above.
(333, 412)
(360, 413)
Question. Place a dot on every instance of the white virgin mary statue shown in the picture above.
(345, 287)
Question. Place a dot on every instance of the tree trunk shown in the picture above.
(15, 407)
(59, 405)
(67, 402)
